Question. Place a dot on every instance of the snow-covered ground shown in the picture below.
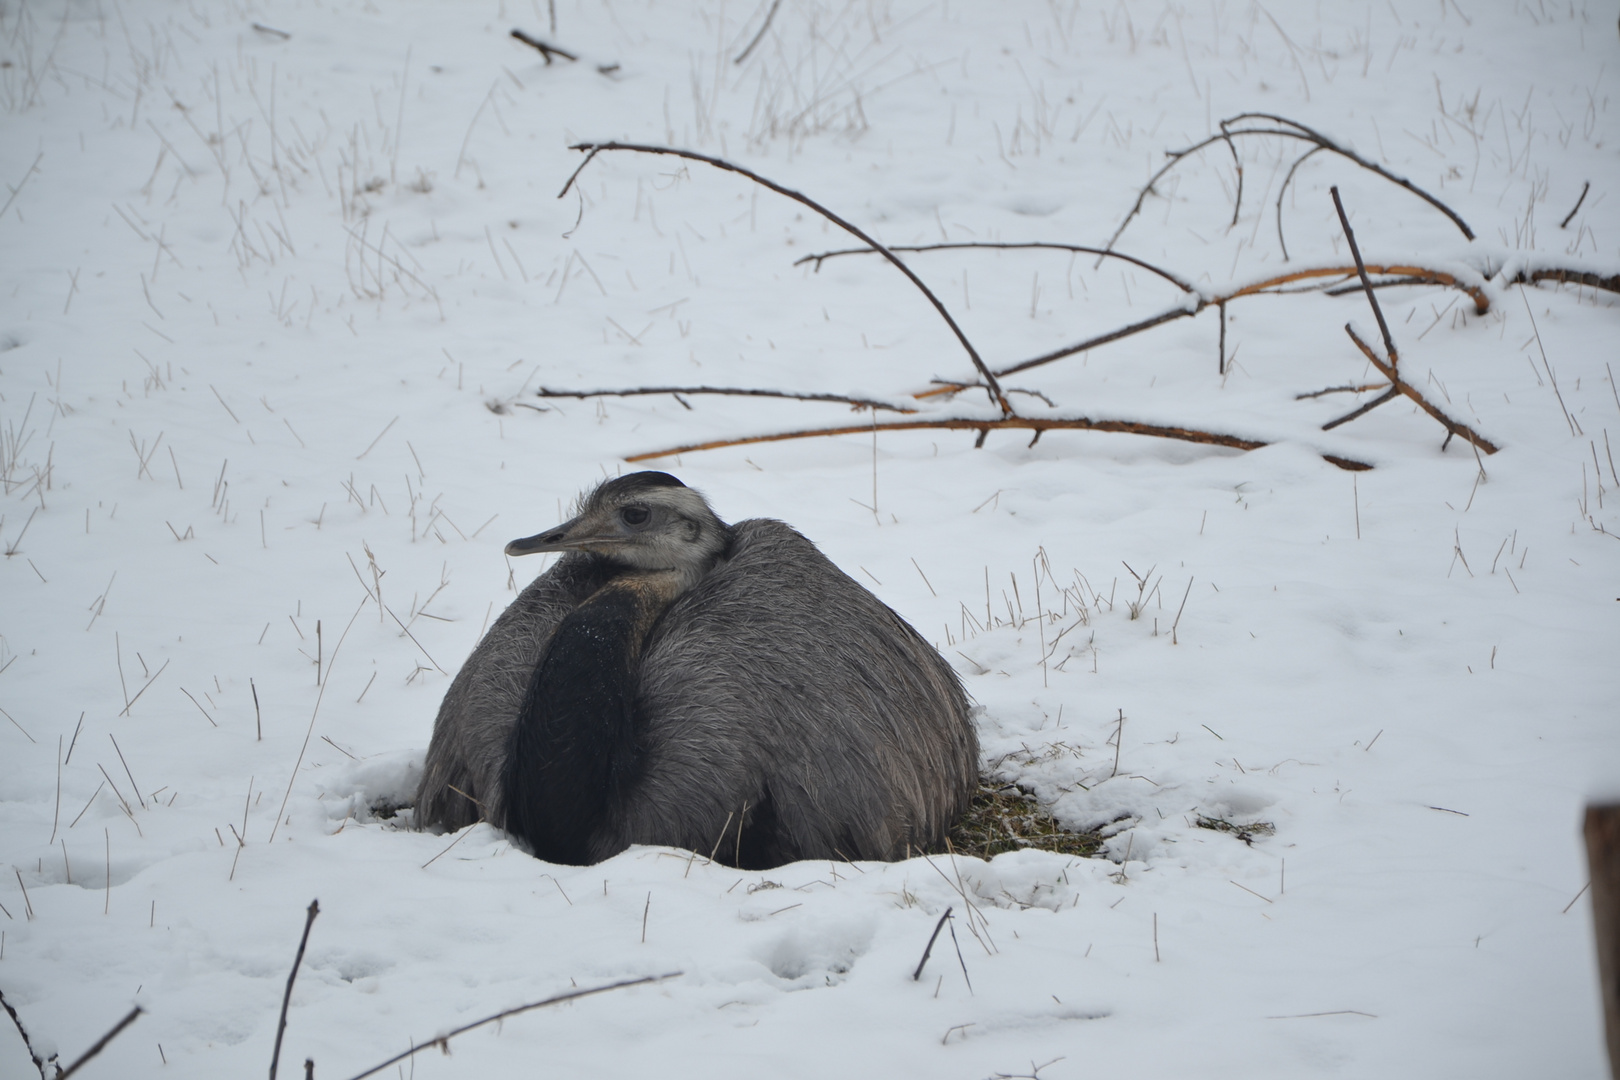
(278, 282)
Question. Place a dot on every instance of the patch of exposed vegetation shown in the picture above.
(1245, 833)
(1004, 818)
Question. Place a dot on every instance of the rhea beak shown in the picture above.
(575, 535)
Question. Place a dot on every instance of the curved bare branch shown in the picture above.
(593, 149)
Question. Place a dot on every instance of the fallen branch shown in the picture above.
(733, 391)
(1609, 283)
(1039, 425)
(443, 1041)
(547, 51)
(1408, 274)
(1400, 273)
(286, 998)
(593, 149)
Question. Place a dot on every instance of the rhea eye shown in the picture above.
(635, 515)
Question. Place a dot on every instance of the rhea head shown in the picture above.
(646, 522)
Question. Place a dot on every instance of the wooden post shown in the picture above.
(1603, 856)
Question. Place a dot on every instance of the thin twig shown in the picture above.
(915, 975)
(1021, 246)
(101, 1043)
(546, 50)
(39, 1062)
(1574, 209)
(1292, 130)
(593, 149)
(1103, 339)
(286, 998)
(733, 391)
(1283, 191)
(1361, 269)
(1387, 395)
(1349, 389)
(22, 183)
(766, 25)
(443, 1041)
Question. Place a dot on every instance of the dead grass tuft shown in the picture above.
(1005, 818)
(1245, 833)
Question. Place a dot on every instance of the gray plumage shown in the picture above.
(776, 709)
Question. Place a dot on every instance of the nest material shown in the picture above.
(1245, 833)
(1004, 818)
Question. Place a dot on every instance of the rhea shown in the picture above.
(674, 680)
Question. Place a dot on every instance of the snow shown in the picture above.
(275, 302)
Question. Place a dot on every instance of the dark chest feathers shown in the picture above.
(573, 753)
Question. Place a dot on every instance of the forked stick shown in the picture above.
(593, 149)
(1401, 386)
(1390, 368)
(1409, 274)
